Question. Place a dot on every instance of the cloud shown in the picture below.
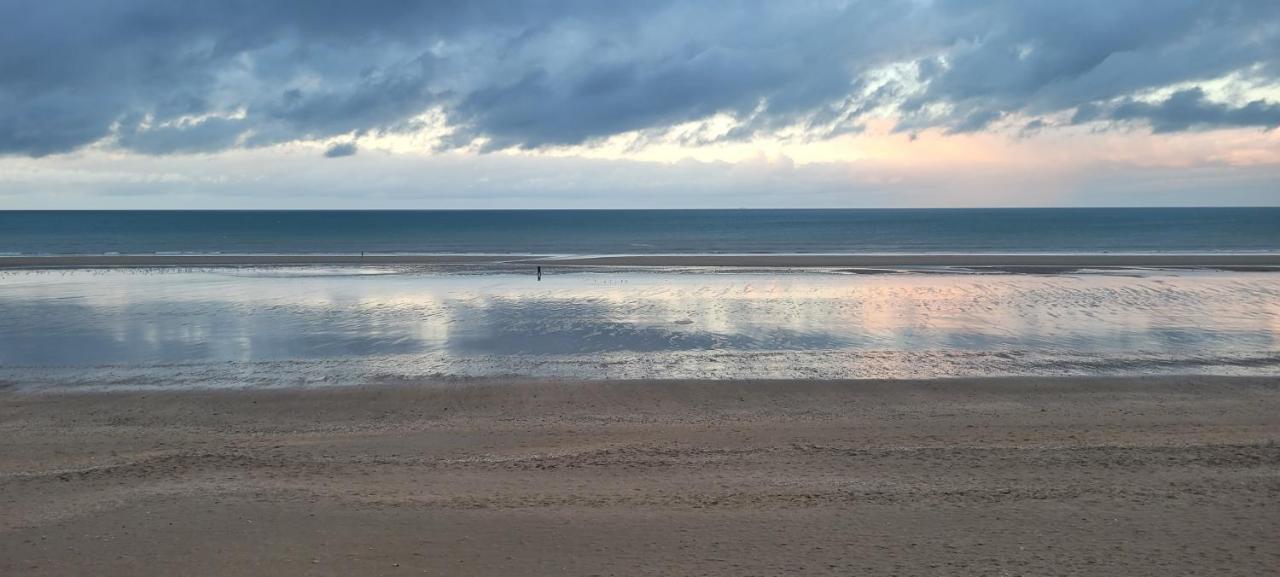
(293, 177)
(1189, 109)
(1039, 58)
(1032, 128)
(156, 77)
(340, 150)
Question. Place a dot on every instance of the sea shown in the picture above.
(590, 232)
(311, 326)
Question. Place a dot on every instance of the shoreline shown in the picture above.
(553, 390)
(1231, 261)
(1106, 476)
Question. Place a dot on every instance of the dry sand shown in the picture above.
(1149, 476)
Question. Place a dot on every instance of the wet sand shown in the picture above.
(1087, 476)
(1049, 261)
(216, 260)
(1020, 262)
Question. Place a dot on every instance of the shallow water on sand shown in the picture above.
(314, 325)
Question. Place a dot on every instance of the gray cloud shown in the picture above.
(340, 150)
(1039, 58)
(1032, 128)
(157, 77)
(1189, 109)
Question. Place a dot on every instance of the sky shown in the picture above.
(669, 104)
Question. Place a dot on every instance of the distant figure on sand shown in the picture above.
(539, 273)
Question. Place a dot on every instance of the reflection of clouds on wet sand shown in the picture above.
(638, 323)
(559, 326)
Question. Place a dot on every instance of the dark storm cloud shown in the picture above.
(162, 77)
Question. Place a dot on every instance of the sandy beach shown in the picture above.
(1088, 476)
(1046, 262)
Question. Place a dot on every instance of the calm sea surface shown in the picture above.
(1086, 230)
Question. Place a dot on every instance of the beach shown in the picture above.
(1083, 476)
(461, 415)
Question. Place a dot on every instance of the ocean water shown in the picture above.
(315, 326)
(581, 232)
